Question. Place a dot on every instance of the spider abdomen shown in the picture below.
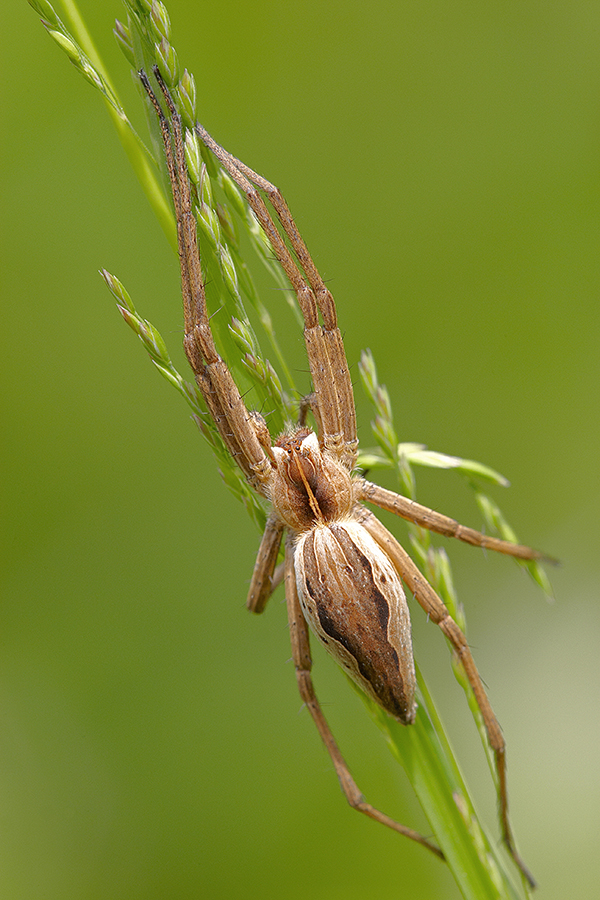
(354, 603)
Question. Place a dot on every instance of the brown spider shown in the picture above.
(343, 569)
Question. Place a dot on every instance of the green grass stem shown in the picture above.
(423, 750)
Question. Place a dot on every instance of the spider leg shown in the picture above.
(434, 521)
(303, 663)
(308, 403)
(263, 581)
(437, 611)
(324, 345)
(218, 388)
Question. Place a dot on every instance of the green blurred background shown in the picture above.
(443, 162)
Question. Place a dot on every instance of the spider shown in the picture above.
(343, 570)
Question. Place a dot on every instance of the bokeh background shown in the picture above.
(443, 162)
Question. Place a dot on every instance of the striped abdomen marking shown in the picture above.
(354, 602)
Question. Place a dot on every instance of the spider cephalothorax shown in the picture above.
(343, 569)
(309, 485)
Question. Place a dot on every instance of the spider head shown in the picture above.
(309, 487)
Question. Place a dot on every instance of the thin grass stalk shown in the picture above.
(423, 750)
